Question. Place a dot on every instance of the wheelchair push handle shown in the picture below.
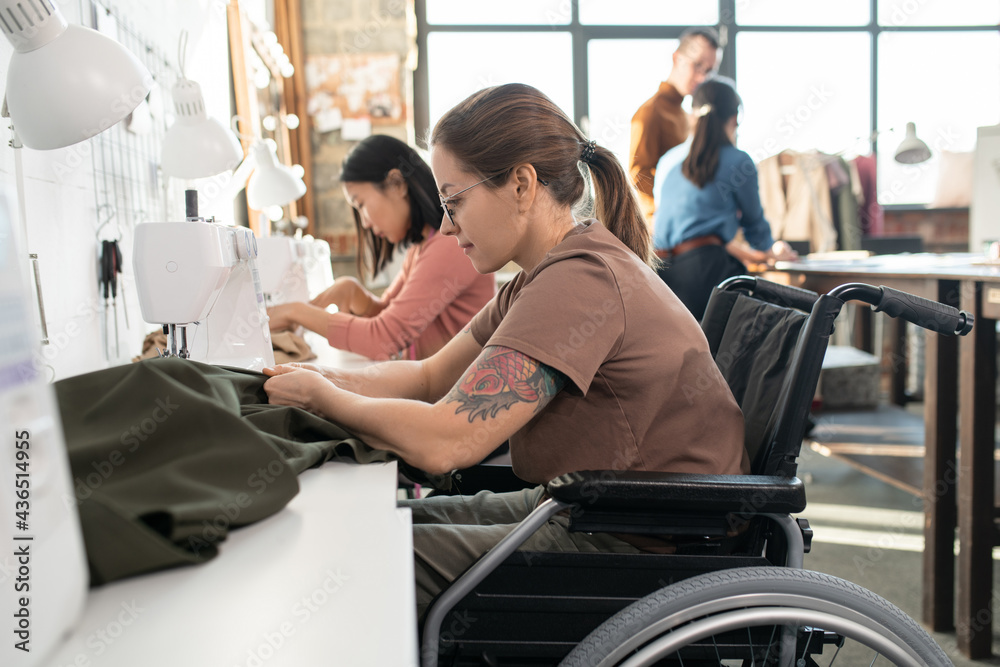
(772, 292)
(928, 314)
(937, 317)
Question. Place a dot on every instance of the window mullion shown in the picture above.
(581, 87)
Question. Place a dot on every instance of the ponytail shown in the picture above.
(715, 102)
(702, 160)
(616, 206)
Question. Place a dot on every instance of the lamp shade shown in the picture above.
(272, 183)
(912, 150)
(65, 83)
(197, 146)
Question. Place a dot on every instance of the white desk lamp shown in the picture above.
(65, 84)
(196, 145)
(912, 150)
(271, 184)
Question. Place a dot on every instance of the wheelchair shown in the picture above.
(733, 592)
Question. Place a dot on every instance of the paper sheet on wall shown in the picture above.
(355, 129)
(328, 120)
(366, 86)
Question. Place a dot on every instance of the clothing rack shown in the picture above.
(815, 197)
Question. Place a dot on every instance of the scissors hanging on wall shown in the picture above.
(109, 280)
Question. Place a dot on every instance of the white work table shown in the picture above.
(331, 356)
(327, 580)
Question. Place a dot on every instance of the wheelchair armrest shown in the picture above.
(687, 493)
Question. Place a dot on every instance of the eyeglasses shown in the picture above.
(445, 200)
(698, 68)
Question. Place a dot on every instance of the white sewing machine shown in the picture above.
(43, 570)
(199, 280)
(293, 268)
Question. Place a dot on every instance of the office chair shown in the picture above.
(733, 536)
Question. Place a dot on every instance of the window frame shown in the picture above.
(728, 29)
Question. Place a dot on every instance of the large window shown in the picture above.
(838, 77)
(965, 69)
(614, 92)
(460, 63)
(811, 101)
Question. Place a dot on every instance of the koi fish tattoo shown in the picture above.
(502, 377)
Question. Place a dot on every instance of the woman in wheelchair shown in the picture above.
(584, 361)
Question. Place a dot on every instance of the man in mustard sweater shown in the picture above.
(661, 123)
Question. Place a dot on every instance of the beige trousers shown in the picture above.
(451, 532)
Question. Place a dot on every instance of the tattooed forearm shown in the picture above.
(501, 377)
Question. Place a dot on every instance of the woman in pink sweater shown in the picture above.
(394, 197)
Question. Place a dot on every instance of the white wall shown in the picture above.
(984, 212)
(61, 186)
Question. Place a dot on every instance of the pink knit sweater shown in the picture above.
(435, 294)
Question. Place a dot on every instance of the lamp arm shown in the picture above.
(15, 143)
(222, 189)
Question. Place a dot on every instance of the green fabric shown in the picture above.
(168, 455)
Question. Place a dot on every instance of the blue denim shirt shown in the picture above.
(729, 201)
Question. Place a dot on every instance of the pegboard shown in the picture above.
(128, 185)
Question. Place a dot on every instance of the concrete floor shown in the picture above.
(870, 532)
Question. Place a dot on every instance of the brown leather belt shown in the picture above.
(687, 246)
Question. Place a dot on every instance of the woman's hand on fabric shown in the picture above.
(341, 378)
(345, 379)
(282, 317)
(295, 386)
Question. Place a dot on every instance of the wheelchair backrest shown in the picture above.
(769, 340)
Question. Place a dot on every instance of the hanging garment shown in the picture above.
(843, 204)
(795, 194)
(870, 212)
(167, 455)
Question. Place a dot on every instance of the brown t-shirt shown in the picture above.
(658, 125)
(644, 391)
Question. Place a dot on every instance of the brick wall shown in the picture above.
(943, 229)
(353, 27)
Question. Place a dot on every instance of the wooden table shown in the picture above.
(960, 388)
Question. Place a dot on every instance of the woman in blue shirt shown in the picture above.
(705, 191)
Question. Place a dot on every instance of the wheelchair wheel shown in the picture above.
(759, 616)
